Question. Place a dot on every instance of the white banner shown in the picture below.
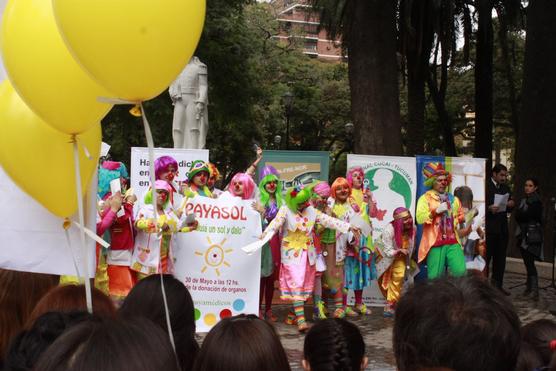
(222, 279)
(392, 180)
(139, 172)
(33, 240)
(2, 70)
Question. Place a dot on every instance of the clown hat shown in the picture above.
(433, 170)
(268, 170)
(197, 166)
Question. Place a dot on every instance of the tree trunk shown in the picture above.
(373, 78)
(417, 47)
(537, 129)
(483, 82)
(508, 70)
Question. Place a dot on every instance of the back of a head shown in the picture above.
(456, 323)
(145, 300)
(334, 345)
(71, 298)
(539, 334)
(28, 345)
(242, 343)
(19, 293)
(110, 345)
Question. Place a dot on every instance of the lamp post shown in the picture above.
(287, 100)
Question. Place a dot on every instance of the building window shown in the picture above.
(310, 45)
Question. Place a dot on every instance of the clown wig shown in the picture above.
(298, 195)
(108, 171)
(270, 174)
(432, 170)
(322, 189)
(349, 175)
(158, 185)
(399, 215)
(248, 185)
(339, 182)
(213, 171)
(162, 164)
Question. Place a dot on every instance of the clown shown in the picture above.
(360, 191)
(321, 193)
(197, 179)
(270, 200)
(298, 255)
(116, 221)
(398, 239)
(153, 246)
(242, 185)
(440, 212)
(166, 168)
(357, 256)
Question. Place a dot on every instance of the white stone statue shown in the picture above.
(189, 94)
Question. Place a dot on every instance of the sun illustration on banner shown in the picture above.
(215, 256)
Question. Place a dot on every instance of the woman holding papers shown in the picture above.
(298, 255)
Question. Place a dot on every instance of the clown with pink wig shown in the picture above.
(153, 251)
(397, 245)
(360, 191)
(242, 186)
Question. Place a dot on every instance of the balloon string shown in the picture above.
(88, 293)
(67, 224)
(150, 145)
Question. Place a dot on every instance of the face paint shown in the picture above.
(270, 187)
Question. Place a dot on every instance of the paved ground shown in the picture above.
(377, 330)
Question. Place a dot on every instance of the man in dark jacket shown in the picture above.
(497, 224)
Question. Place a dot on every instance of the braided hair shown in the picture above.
(334, 345)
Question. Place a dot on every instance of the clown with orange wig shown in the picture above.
(440, 213)
(356, 256)
(298, 255)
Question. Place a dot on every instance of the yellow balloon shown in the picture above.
(134, 48)
(44, 72)
(39, 159)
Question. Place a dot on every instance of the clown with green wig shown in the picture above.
(297, 219)
(153, 251)
(440, 213)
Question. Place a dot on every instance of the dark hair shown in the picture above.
(242, 343)
(534, 180)
(498, 168)
(465, 195)
(528, 359)
(145, 299)
(334, 345)
(71, 298)
(28, 345)
(110, 345)
(19, 293)
(458, 323)
(539, 334)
